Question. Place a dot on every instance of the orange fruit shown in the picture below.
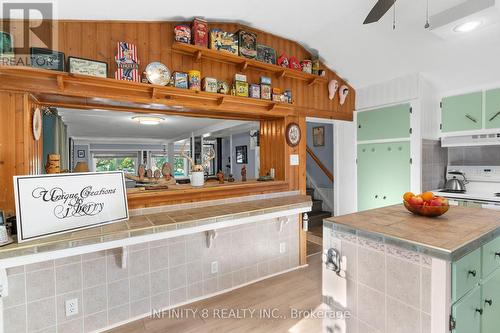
(407, 196)
(427, 196)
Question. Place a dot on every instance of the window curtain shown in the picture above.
(55, 139)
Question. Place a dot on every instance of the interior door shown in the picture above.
(467, 313)
(492, 108)
(490, 320)
(462, 112)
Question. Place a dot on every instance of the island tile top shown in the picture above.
(449, 236)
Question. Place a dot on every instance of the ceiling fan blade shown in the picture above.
(380, 8)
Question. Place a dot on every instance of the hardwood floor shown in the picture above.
(300, 289)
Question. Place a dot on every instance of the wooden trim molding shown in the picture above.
(319, 163)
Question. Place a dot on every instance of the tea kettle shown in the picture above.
(454, 184)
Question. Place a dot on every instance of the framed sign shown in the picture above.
(319, 136)
(87, 67)
(52, 204)
(241, 155)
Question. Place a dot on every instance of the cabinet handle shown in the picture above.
(480, 311)
(473, 273)
(488, 301)
(376, 196)
(496, 115)
(497, 254)
(468, 116)
(384, 197)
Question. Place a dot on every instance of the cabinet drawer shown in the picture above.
(467, 313)
(466, 273)
(490, 322)
(491, 257)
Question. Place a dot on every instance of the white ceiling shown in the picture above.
(362, 54)
(119, 126)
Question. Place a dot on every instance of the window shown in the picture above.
(115, 162)
(157, 161)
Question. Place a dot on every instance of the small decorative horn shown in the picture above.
(333, 85)
(344, 91)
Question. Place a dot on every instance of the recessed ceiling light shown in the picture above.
(467, 26)
(148, 120)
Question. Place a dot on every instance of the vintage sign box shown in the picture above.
(52, 204)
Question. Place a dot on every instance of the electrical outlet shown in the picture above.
(215, 267)
(71, 307)
(282, 247)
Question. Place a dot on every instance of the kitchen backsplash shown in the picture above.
(482, 155)
(434, 162)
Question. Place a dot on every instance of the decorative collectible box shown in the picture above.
(283, 61)
(295, 64)
(210, 84)
(222, 87)
(200, 32)
(265, 80)
(288, 96)
(241, 88)
(182, 34)
(6, 48)
(180, 80)
(240, 77)
(265, 91)
(48, 59)
(87, 67)
(223, 41)
(315, 66)
(306, 66)
(127, 62)
(194, 80)
(247, 44)
(266, 54)
(254, 91)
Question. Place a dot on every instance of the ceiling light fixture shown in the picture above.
(148, 120)
(467, 26)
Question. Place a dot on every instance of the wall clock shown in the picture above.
(293, 134)
(37, 124)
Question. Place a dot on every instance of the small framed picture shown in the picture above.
(318, 136)
(241, 155)
(80, 153)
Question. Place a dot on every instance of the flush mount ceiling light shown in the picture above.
(467, 26)
(148, 120)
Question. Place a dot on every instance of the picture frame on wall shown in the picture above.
(318, 134)
(80, 153)
(241, 155)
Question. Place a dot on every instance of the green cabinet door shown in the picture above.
(492, 109)
(490, 321)
(385, 123)
(467, 313)
(491, 257)
(462, 113)
(383, 174)
(465, 274)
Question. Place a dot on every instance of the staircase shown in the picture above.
(316, 216)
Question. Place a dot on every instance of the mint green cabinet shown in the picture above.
(467, 313)
(385, 123)
(383, 174)
(490, 291)
(492, 108)
(462, 112)
(491, 257)
(465, 274)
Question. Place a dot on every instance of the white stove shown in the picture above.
(482, 189)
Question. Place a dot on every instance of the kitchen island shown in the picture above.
(405, 273)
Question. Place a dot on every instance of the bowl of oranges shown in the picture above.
(425, 204)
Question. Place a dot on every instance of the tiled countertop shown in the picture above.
(177, 222)
(450, 236)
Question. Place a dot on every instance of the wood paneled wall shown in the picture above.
(20, 154)
(97, 40)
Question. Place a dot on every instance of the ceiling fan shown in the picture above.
(379, 10)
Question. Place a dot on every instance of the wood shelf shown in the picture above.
(199, 52)
(79, 91)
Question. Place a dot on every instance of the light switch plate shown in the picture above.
(294, 159)
(214, 267)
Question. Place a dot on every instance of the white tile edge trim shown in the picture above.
(197, 299)
(79, 250)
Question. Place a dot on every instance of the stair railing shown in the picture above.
(319, 163)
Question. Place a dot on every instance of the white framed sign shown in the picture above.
(52, 204)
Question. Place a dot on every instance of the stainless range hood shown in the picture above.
(487, 139)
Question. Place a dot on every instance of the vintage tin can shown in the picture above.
(199, 32)
(295, 64)
(241, 88)
(127, 62)
(194, 80)
(182, 34)
(180, 80)
(247, 42)
(127, 74)
(223, 41)
(240, 77)
(288, 95)
(315, 66)
(265, 80)
(266, 54)
(254, 91)
(306, 66)
(277, 97)
(210, 84)
(265, 91)
(222, 87)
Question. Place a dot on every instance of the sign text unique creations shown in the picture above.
(52, 204)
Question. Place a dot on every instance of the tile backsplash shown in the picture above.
(158, 275)
(434, 162)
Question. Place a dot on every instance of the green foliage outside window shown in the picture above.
(125, 164)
